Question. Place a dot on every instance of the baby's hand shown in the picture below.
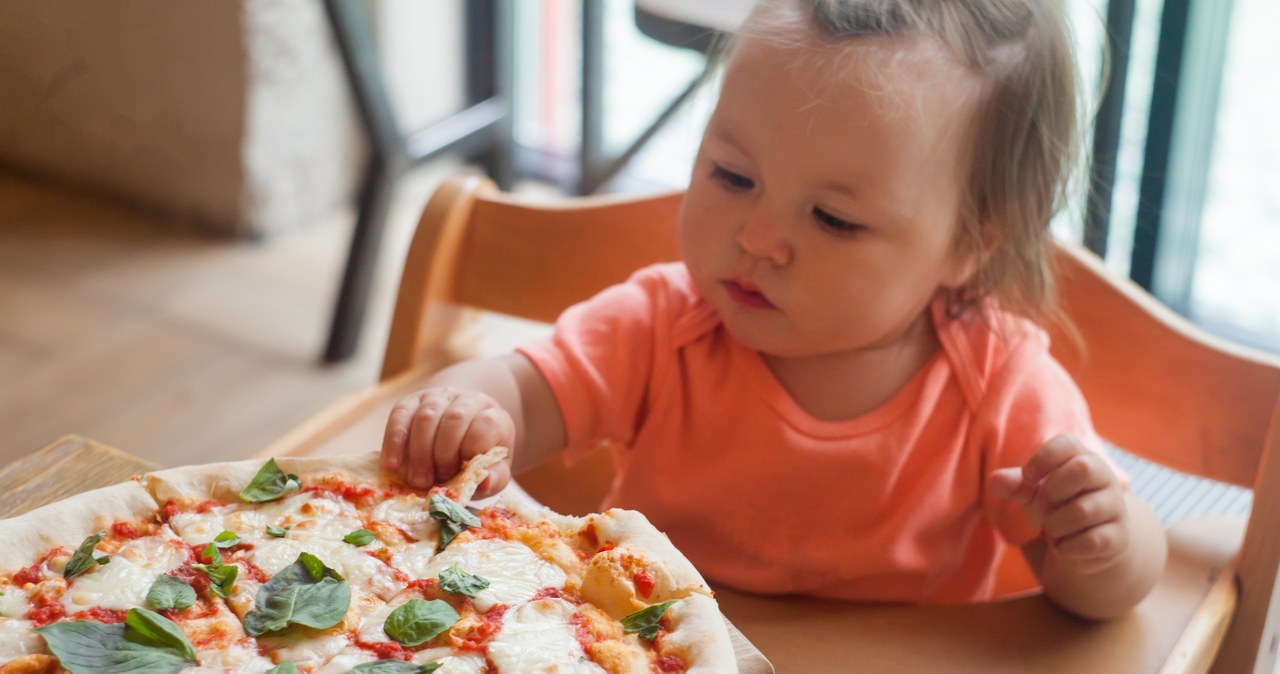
(1074, 498)
(430, 433)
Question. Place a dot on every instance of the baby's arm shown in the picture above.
(465, 409)
(1102, 549)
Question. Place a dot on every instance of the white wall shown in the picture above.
(231, 114)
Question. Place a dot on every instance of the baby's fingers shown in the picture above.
(493, 426)
(466, 414)
(395, 439)
(1093, 549)
(420, 469)
(1085, 512)
(1078, 475)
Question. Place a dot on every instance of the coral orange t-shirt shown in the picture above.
(760, 495)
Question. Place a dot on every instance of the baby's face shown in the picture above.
(822, 211)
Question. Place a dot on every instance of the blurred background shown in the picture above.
(204, 205)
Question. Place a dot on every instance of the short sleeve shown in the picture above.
(599, 360)
(1030, 400)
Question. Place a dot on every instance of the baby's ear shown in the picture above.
(970, 254)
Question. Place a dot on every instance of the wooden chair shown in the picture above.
(1157, 386)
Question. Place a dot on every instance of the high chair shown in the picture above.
(1157, 386)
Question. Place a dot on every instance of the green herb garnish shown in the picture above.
(304, 593)
(145, 643)
(453, 518)
(454, 579)
(417, 621)
(82, 559)
(170, 593)
(645, 621)
(222, 577)
(359, 538)
(269, 484)
(226, 539)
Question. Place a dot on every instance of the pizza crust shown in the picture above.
(699, 637)
(65, 523)
(224, 481)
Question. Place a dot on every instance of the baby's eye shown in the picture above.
(734, 181)
(837, 225)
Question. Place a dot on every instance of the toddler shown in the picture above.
(840, 391)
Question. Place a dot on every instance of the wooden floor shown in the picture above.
(176, 347)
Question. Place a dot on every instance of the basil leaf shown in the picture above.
(83, 558)
(417, 621)
(457, 581)
(222, 577)
(226, 539)
(359, 537)
(277, 531)
(169, 592)
(315, 567)
(269, 484)
(453, 518)
(393, 667)
(91, 647)
(152, 629)
(283, 668)
(304, 593)
(645, 621)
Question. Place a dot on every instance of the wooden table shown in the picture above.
(812, 636)
(65, 467)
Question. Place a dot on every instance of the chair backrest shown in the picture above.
(1157, 385)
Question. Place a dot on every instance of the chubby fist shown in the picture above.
(1074, 498)
(430, 433)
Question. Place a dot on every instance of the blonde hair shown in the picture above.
(1026, 137)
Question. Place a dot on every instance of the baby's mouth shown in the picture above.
(747, 295)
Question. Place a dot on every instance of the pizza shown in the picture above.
(332, 565)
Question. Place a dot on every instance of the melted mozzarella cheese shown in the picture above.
(341, 664)
(372, 622)
(515, 573)
(468, 663)
(305, 646)
(123, 582)
(17, 640)
(234, 658)
(410, 514)
(363, 572)
(13, 603)
(307, 515)
(538, 637)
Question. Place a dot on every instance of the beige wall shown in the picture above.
(232, 114)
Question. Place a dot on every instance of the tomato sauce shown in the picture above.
(553, 593)
(477, 637)
(669, 664)
(194, 577)
(208, 506)
(384, 650)
(170, 509)
(250, 570)
(589, 533)
(429, 587)
(124, 530)
(45, 611)
(31, 574)
(346, 492)
(643, 582)
(102, 615)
